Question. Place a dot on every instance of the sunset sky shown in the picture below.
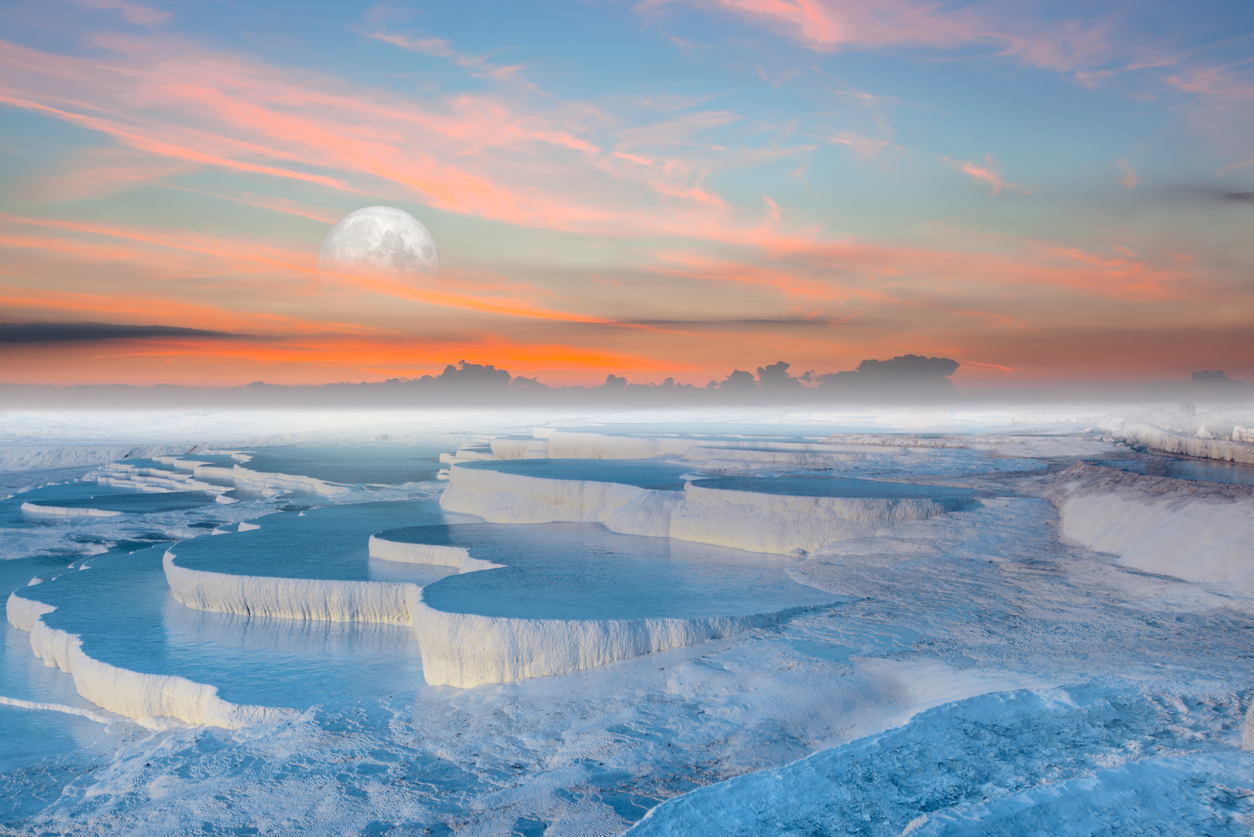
(1043, 191)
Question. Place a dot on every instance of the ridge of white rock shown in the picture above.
(785, 524)
(261, 481)
(1155, 438)
(1191, 530)
(124, 475)
(520, 448)
(401, 552)
(40, 457)
(751, 521)
(291, 598)
(37, 706)
(146, 698)
(67, 511)
(467, 650)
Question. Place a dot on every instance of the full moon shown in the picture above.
(382, 242)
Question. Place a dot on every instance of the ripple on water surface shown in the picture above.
(584, 571)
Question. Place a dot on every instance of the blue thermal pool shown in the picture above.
(90, 495)
(328, 543)
(642, 473)
(1200, 470)
(28, 735)
(357, 464)
(803, 486)
(126, 616)
(584, 571)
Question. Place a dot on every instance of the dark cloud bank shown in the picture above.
(54, 333)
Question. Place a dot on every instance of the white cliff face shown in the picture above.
(463, 650)
(785, 524)
(745, 520)
(428, 554)
(466, 650)
(147, 698)
(1238, 450)
(291, 598)
(1189, 530)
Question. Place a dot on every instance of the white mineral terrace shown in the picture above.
(1187, 529)
(67, 511)
(751, 521)
(462, 650)
(147, 698)
(1190, 530)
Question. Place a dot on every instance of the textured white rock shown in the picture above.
(738, 519)
(259, 481)
(290, 598)
(132, 694)
(513, 498)
(519, 448)
(1197, 540)
(785, 524)
(63, 511)
(1191, 530)
(431, 554)
(1161, 440)
(467, 650)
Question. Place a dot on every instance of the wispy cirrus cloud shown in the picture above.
(870, 24)
(987, 171)
(135, 13)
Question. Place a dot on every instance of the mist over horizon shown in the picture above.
(901, 380)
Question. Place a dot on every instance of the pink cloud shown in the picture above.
(987, 173)
(1128, 178)
(130, 12)
(832, 24)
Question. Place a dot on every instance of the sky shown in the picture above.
(1046, 192)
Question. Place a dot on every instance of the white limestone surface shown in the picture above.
(1158, 439)
(1191, 530)
(467, 650)
(259, 481)
(513, 498)
(66, 511)
(147, 698)
(291, 598)
(430, 554)
(739, 519)
(787, 524)
(519, 448)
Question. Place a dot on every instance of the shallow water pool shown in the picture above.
(801, 486)
(584, 571)
(642, 473)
